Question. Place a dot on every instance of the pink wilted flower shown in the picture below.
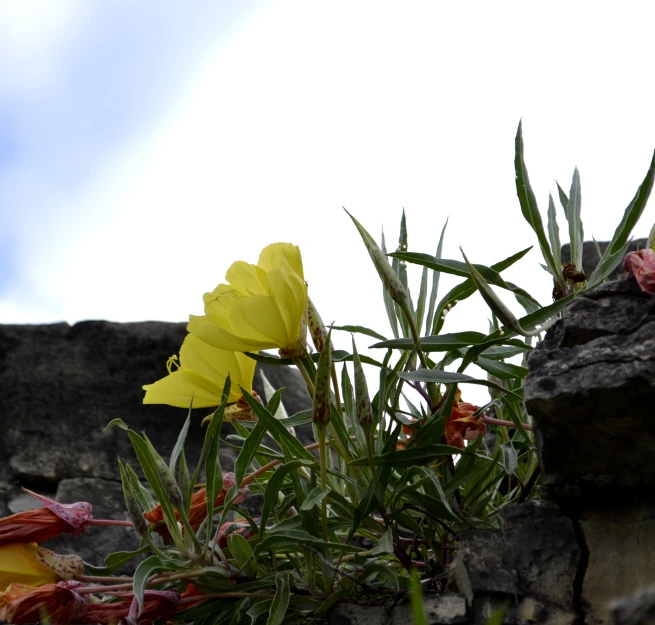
(641, 265)
(59, 603)
(156, 604)
(42, 524)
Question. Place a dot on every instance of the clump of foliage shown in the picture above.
(373, 508)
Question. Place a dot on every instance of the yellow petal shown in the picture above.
(19, 567)
(215, 364)
(289, 293)
(177, 389)
(217, 336)
(260, 318)
(246, 278)
(283, 255)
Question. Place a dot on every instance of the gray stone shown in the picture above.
(621, 544)
(534, 554)
(591, 389)
(351, 614)
(521, 611)
(60, 386)
(439, 609)
(636, 609)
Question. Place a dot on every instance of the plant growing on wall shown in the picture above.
(371, 511)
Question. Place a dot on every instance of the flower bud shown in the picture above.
(322, 405)
(390, 279)
(165, 476)
(316, 326)
(132, 505)
(362, 400)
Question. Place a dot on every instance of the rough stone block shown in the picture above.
(534, 554)
(590, 391)
(439, 609)
(621, 544)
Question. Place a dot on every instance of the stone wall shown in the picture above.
(60, 386)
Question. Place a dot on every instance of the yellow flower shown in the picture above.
(18, 566)
(263, 306)
(201, 374)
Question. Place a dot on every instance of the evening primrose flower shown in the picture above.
(263, 306)
(201, 375)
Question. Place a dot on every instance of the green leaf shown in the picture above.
(389, 304)
(293, 538)
(422, 294)
(412, 456)
(284, 438)
(179, 445)
(281, 601)
(144, 454)
(360, 330)
(440, 343)
(575, 222)
(365, 506)
(466, 289)
(429, 321)
(633, 212)
(143, 496)
(143, 572)
(448, 377)
(553, 233)
(564, 200)
(115, 560)
(315, 497)
(502, 370)
(386, 541)
(214, 474)
(528, 202)
(242, 552)
(416, 599)
(273, 487)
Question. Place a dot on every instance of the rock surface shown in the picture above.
(60, 386)
(590, 390)
(534, 555)
(621, 544)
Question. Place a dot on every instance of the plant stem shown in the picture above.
(323, 451)
(508, 424)
(342, 449)
(110, 522)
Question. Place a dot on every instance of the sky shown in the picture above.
(143, 150)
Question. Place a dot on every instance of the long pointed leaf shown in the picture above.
(429, 322)
(528, 202)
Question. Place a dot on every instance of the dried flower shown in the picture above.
(156, 604)
(461, 425)
(45, 523)
(57, 604)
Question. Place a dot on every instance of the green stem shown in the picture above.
(323, 451)
(341, 448)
